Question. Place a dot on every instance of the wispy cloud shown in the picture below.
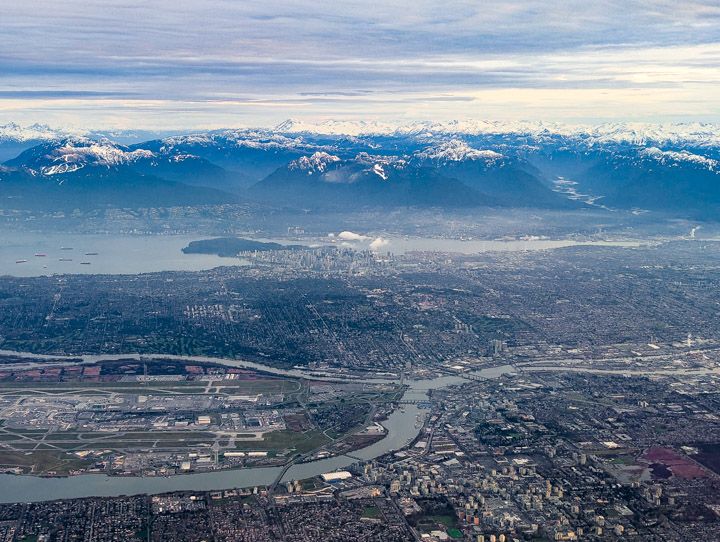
(183, 64)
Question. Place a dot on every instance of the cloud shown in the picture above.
(59, 94)
(258, 62)
(379, 243)
(350, 236)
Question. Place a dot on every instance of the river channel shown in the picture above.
(31, 254)
(401, 425)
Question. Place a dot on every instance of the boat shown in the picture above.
(65, 259)
(84, 263)
(20, 261)
(39, 255)
(91, 254)
(66, 248)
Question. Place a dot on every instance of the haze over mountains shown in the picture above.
(672, 169)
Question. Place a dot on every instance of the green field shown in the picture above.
(42, 461)
(371, 512)
(284, 440)
(430, 523)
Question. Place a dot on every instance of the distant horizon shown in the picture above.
(82, 130)
(270, 123)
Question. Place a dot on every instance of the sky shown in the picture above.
(168, 64)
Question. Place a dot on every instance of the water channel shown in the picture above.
(401, 429)
(42, 254)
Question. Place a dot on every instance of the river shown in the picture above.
(132, 254)
(41, 360)
(401, 429)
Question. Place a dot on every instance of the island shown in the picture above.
(228, 247)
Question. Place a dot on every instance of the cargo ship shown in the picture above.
(91, 254)
(65, 259)
(20, 261)
(84, 263)
(66, 248)
(39, 255)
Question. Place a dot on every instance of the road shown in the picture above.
(298, 459)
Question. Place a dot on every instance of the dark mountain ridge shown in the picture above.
(447, 166)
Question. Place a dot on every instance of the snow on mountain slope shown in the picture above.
(240, 138)
(169, 144)
(75, 153)
(629, 133)
(102, 153)
(338, 128)
(666, 157)
(380, 172)
(287, 133)
(455, 151)
(37, 132)
(317, 163)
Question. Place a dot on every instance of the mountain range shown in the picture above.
(348, 165)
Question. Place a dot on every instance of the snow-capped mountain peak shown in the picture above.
(76, 153)
(36, 132)
(317, 163)
(616, 133)
(455, 150)
(679, 156)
